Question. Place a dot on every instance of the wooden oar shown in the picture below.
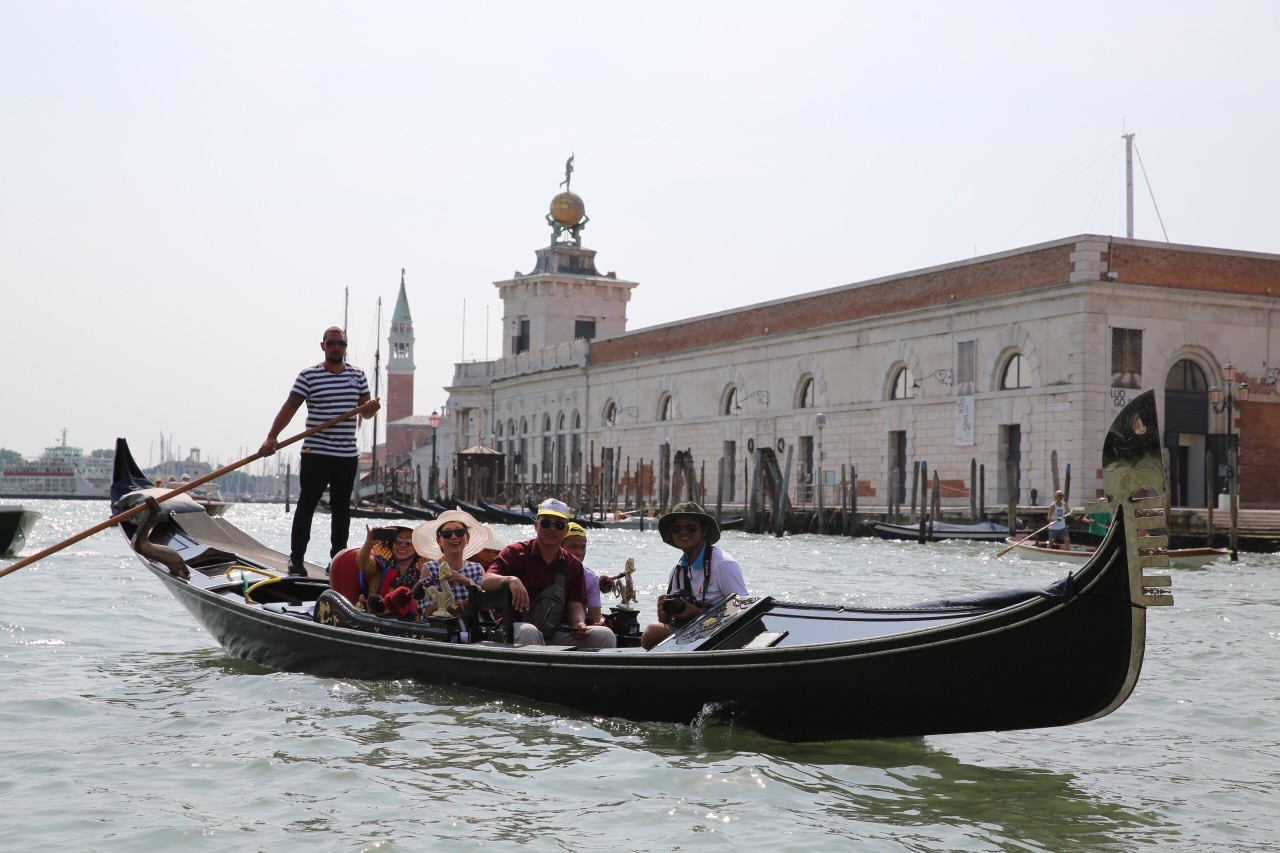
(1024, 539)
(185, 487)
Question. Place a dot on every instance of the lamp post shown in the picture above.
(434, 420)
(1237, 395)
(820, 421)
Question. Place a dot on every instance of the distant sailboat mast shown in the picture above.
(377, 375)
(1128, 184)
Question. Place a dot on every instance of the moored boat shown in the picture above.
(937, 531)
(15, 526)
(930, 668)
(1179, 558)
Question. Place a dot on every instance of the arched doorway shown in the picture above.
(1186, 428)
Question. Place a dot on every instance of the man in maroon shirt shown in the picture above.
(527, 568)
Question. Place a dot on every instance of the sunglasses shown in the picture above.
(686, 527)
(452, 532)
(334, 343)
(404, 542)
(548, 523)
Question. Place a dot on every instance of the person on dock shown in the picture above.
(548, 586)
(330, 458)
(575, 542)
(1059, 535)
(386, 570)
(703, 574)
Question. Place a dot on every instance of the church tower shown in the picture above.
(399, 403)
(564, 297)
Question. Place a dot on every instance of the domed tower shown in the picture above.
(564, 297)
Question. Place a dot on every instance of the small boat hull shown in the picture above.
(1179, 558)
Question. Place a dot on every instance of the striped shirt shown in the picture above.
(329, 395)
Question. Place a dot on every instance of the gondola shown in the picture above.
(15, 526)
(1014, 659)
(410, 511)
(938, 531)
(506, 515)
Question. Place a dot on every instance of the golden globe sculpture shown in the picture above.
(567, 209)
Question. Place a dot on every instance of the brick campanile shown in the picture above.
(399, 402)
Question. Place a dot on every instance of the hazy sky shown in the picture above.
(187, 188)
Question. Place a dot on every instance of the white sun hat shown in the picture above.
(424, 536)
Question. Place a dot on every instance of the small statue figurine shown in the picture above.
(626, 589)
(441, 595)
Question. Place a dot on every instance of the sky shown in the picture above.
(190, 193)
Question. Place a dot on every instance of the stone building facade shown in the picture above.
(1024, 354)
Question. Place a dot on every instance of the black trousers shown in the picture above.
(316, 472)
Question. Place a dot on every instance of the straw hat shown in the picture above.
(489, 538)
(424, 536)
(710, 526)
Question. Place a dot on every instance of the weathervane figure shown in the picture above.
(568, 172)
(568, 213)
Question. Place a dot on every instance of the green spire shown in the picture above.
(401, 314)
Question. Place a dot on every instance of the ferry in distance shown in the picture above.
(62, 471)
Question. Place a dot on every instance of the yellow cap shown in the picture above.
(575, 529)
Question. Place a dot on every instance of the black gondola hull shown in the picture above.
(1015, 660)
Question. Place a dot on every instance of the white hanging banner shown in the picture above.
(964, 421)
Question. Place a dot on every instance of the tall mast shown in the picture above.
(1128, 184)
(377, 375)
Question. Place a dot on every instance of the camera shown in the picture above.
(674, 605)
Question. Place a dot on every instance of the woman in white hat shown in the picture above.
(449, 546)
(491, 545)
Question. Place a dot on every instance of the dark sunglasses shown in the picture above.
(404, 542)
(547, 523)
(334, 343)
(452, 532)
(685, 527)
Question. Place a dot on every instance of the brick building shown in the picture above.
(1024, 354)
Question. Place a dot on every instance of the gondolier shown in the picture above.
(330, 458)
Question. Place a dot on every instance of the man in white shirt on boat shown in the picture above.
(704, 573)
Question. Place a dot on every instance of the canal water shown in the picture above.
(124, 727)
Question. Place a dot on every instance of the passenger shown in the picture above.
(447, 542)
(575, 542)
(703, 574)
(540, 565)
(388, 572)
(491, 545)
(1059, 536)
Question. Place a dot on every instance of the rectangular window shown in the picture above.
(1126, 358)
(966, 368)
(520, 343)
(584, 329)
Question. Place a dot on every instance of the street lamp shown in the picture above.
(820, 421)
(1236, 397)
(434, 420)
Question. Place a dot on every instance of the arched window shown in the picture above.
(904, 382)
(560, 423)
(805, 399)
(577, 420)
(1186, 376)
(664, 408)
(500, 429)
(610, 413)
(546, 423)
(731, 405)
(1016, 374)
(524, 425)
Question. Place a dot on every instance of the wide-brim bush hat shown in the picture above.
(424, 536)
(711, 527)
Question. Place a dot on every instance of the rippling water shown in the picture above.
(122, 726)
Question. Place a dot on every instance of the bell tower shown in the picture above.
(564, 297)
